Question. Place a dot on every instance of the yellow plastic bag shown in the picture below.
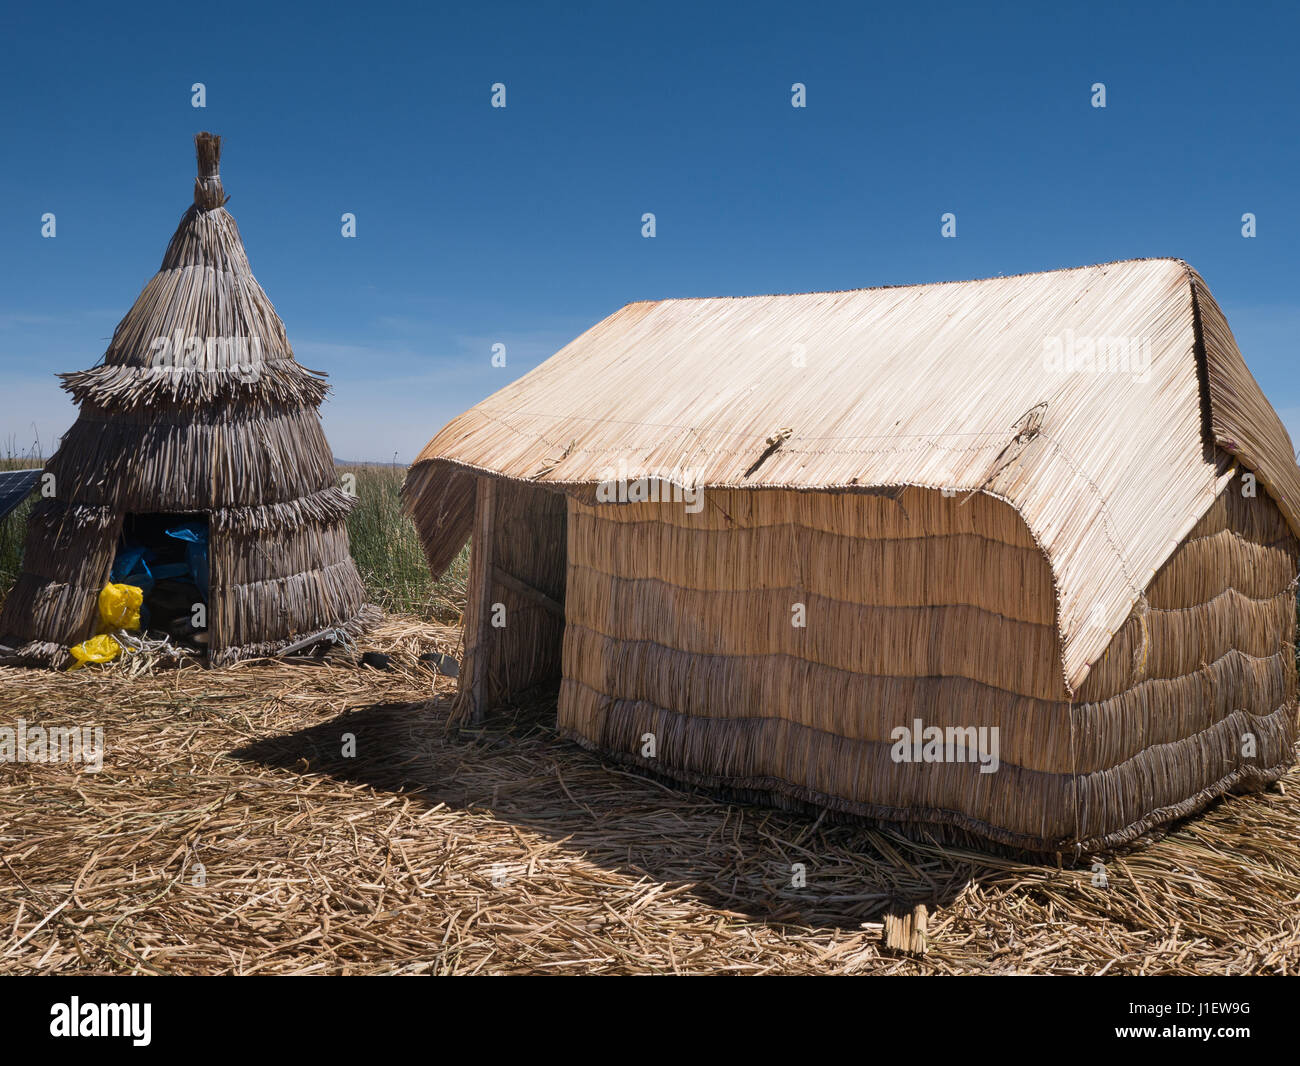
(119, 607)
(100, 649)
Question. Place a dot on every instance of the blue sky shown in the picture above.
(523, 226)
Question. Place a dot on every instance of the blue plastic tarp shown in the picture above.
(195, 535)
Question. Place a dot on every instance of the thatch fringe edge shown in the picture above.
(366, 617)
(37, 653)
(126, 388)
(43, 653)
(326, 507)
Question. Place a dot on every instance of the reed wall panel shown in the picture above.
(1010, 581)
(278, 553)
(528, 543)
(771, 755)
(1229, 585)
(956, 641)
(178, 462)
(1164, 710)
(1173, 780)
(685, 633)
(916, 514)
(63, 545)
(327, 507)
(1209, 565)
(263, 612)
(859, 706)
(43, 611)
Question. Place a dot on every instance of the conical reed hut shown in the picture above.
(200, 425)
(1013, 558)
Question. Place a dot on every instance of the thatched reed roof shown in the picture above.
(956, 385)
(205, 288)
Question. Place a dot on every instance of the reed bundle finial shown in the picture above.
(208, 193)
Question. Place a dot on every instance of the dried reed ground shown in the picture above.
(510, 851)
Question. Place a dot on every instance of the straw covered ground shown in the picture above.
(511, 851)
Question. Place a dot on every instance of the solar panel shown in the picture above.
(16, 486)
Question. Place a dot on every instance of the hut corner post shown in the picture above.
(471, 703)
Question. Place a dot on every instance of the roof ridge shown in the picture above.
(926, 284)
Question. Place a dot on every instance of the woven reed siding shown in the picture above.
(738, 698)
(888, 606)
(68, 554)
(526, 541)
(529, 544)
(836, 702)
(737, 695)
(325, 508)
(916, 572)
(957, 641)
(916, 515)
(472, 696)
(180, 462)
(263, 612)
(530, 536)
(777, 757)
(1164, 710)
(280, 553)
(1210, 659)
(234, 435)
(920, 385)
(517, 561)
(49, 612)
(1174, 780)
(72, 548)
(1179, 641)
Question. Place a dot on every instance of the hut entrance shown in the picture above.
(514, 618)
(166, 556)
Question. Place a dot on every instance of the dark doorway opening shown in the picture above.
(166, 556)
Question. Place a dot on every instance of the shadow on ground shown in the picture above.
(734, 856)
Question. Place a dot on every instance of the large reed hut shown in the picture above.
(199, 439)
(1013, 557)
